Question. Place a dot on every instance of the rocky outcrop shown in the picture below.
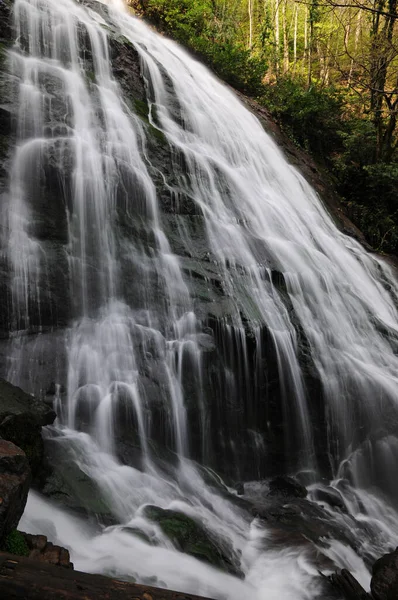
(384, 584)
(286, 487)
(21, 418)
(40, 549)
(345, 583)
(228, 416)
(26, 579)
(191, 537)
(15, 478)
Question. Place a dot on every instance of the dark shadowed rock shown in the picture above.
(348, 586)
(26, 579)
(21, 418)
(15, 479)
(287, 487)
(384, 584)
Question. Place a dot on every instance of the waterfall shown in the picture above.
(187, 342)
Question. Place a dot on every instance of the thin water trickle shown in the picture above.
(133, 321)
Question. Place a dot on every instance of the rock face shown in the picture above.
(42, 550)
(243, 423)
(287, 487)
(25, 579)
(15, 478)
(384, 584)
(21, 419)
(191, 538)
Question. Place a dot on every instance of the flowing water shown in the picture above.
(130, 307)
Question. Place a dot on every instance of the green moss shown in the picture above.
(91, 76)
(190, 537)
(141, 108)
(15, 543)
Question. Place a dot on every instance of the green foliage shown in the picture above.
(311, 117)
(370, 188)
(197, 25)
(15, 543)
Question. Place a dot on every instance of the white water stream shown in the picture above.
(258, 210)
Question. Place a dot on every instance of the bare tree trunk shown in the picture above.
(305, 54)
(285, 40)
(295, 37)
(250, 11)
(309, 50)
(356, 42)
(277, 43)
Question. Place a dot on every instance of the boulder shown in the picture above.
(21, 418)
(41, 549)
(15, 478)
(287, 487)
(384, 584)
(299, 521)
(345, 583)
(192, 538)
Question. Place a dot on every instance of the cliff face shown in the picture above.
(250, 413)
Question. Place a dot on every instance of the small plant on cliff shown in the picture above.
(15, 543)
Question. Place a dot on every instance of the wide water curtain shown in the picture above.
(183, 294)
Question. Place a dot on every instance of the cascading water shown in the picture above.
(286, 287)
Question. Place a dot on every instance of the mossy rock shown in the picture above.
(190, 537)
(15, 543)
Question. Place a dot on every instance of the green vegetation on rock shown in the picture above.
(15, 543)
(191, 538)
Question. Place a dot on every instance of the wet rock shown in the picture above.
(192, 538)
(347, 585)
(286, 487)
(67, 485)
(240, 489)
(27, 579)
(21, 418)
(5, 21)
(299, 521)
(15, 478)
(384, 584)
(330, 496)
(44, 551)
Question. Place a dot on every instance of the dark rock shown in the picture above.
(286, 487)
(346, 583)
(15, 478)
(384, 584)
(5, 21)
(299, 521)
(26, 579)
(330, 496)
(192, 538)
(66, 484)
(21, 419)
(240, 489)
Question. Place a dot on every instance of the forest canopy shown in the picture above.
(328, 72)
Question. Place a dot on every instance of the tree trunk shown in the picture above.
(277, 43)
(250, 11)
(295, 37)
(285, 40)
